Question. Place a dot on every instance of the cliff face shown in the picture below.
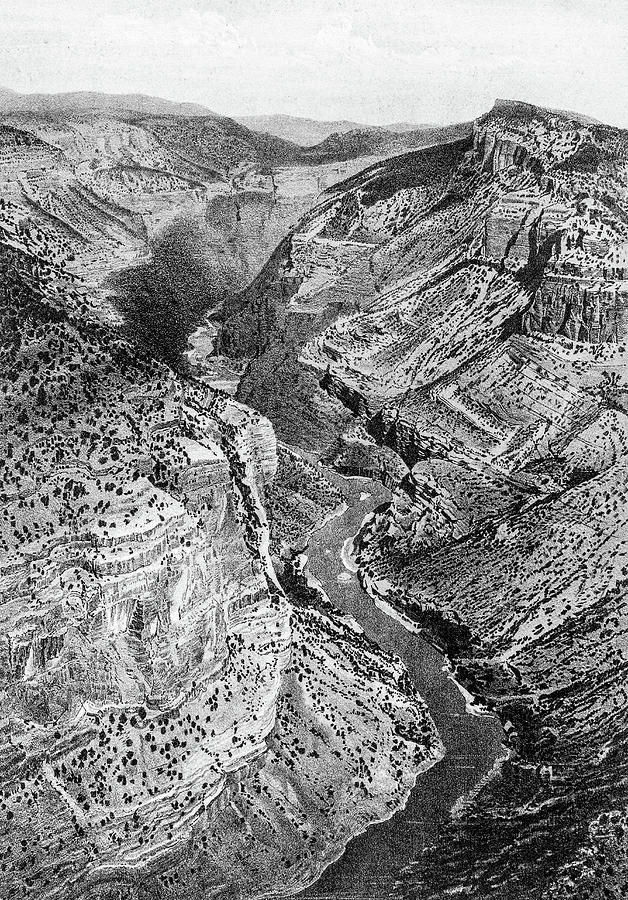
(496, 152)
(547, 651)
(99, 192)
(486, 355)
(471, 241)
(97, 188)
(158, 687)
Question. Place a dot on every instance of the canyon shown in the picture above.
(284, 431)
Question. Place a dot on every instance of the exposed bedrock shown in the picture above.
(169, 717)
(495, 152)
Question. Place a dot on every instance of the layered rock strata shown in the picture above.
(169, 721)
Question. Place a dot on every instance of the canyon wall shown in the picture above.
(483, 379)
(172, 717)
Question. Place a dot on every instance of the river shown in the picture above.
(372, 861)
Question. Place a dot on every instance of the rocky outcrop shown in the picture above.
(496, 152)
(591, 313)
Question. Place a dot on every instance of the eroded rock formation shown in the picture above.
(170, 720)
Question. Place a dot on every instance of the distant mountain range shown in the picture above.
(90, 101)
(297, 130)
(206, 143)
(294, 129)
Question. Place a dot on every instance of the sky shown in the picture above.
(372, 61)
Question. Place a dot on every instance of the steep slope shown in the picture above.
(106, 185)
(101, 192)
(170, 721)
(220, 143)
(122, 177)
(453, 322)
(329, 267)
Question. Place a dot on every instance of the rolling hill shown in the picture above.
(383, 142)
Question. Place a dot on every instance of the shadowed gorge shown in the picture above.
(190, 272)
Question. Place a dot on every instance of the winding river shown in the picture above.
(372, 861)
